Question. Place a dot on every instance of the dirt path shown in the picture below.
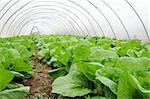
(40, 83)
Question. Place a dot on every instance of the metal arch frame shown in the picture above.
(134, 11)
(57, 10)
(74, 15)
(71, 25)
(13, 15)
(47, 14)
(23, 27)
(68, 16)
(64, 25)
(45, 18)
(5, 5)
(117, 17)
(62, 17)
(59, 21)
(16, 12)
(44, 12)
(89, 15)
(139, 18)
(49, 25)
(37, 28)
(104, 17)
(46, 23)
(76, 9)
(32, 20)
(8, 8)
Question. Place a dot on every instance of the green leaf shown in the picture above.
(110, 61)
(132, 53)
(63, 56)
(25, 54)
(133, 64)
(145, 52)
(52, 60)
(5, 77)
(131, 44)
(81, 52)
(21, 66)
(89, 69)
(10, 55)
(112, 73)
(55, 73)
(13, 85)
(17, 93)
(27, 74)
(138, 85)
(99, 54)
(17, 74)
(109, 83)
(71, 85)
(130, 88)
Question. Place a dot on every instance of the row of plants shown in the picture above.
(84, 67)
(15, 56)
(96, 67)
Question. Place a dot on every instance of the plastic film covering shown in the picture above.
(120, 19)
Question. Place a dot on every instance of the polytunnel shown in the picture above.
(74, 49)
(121, 19)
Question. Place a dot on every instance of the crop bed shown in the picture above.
(73, 67)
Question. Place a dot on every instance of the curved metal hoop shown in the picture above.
(32, 1)
(64, 18)
(139, 18)
(36, 26)
(104, 17)
(68, 14)
(117, 17)
(43, 18)
(55, 16)
(47, 8)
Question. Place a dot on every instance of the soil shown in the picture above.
(40, 83)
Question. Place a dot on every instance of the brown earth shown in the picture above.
(40, 83)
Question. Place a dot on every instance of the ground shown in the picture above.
(40, 83)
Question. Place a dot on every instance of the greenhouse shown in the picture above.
(74, 49)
